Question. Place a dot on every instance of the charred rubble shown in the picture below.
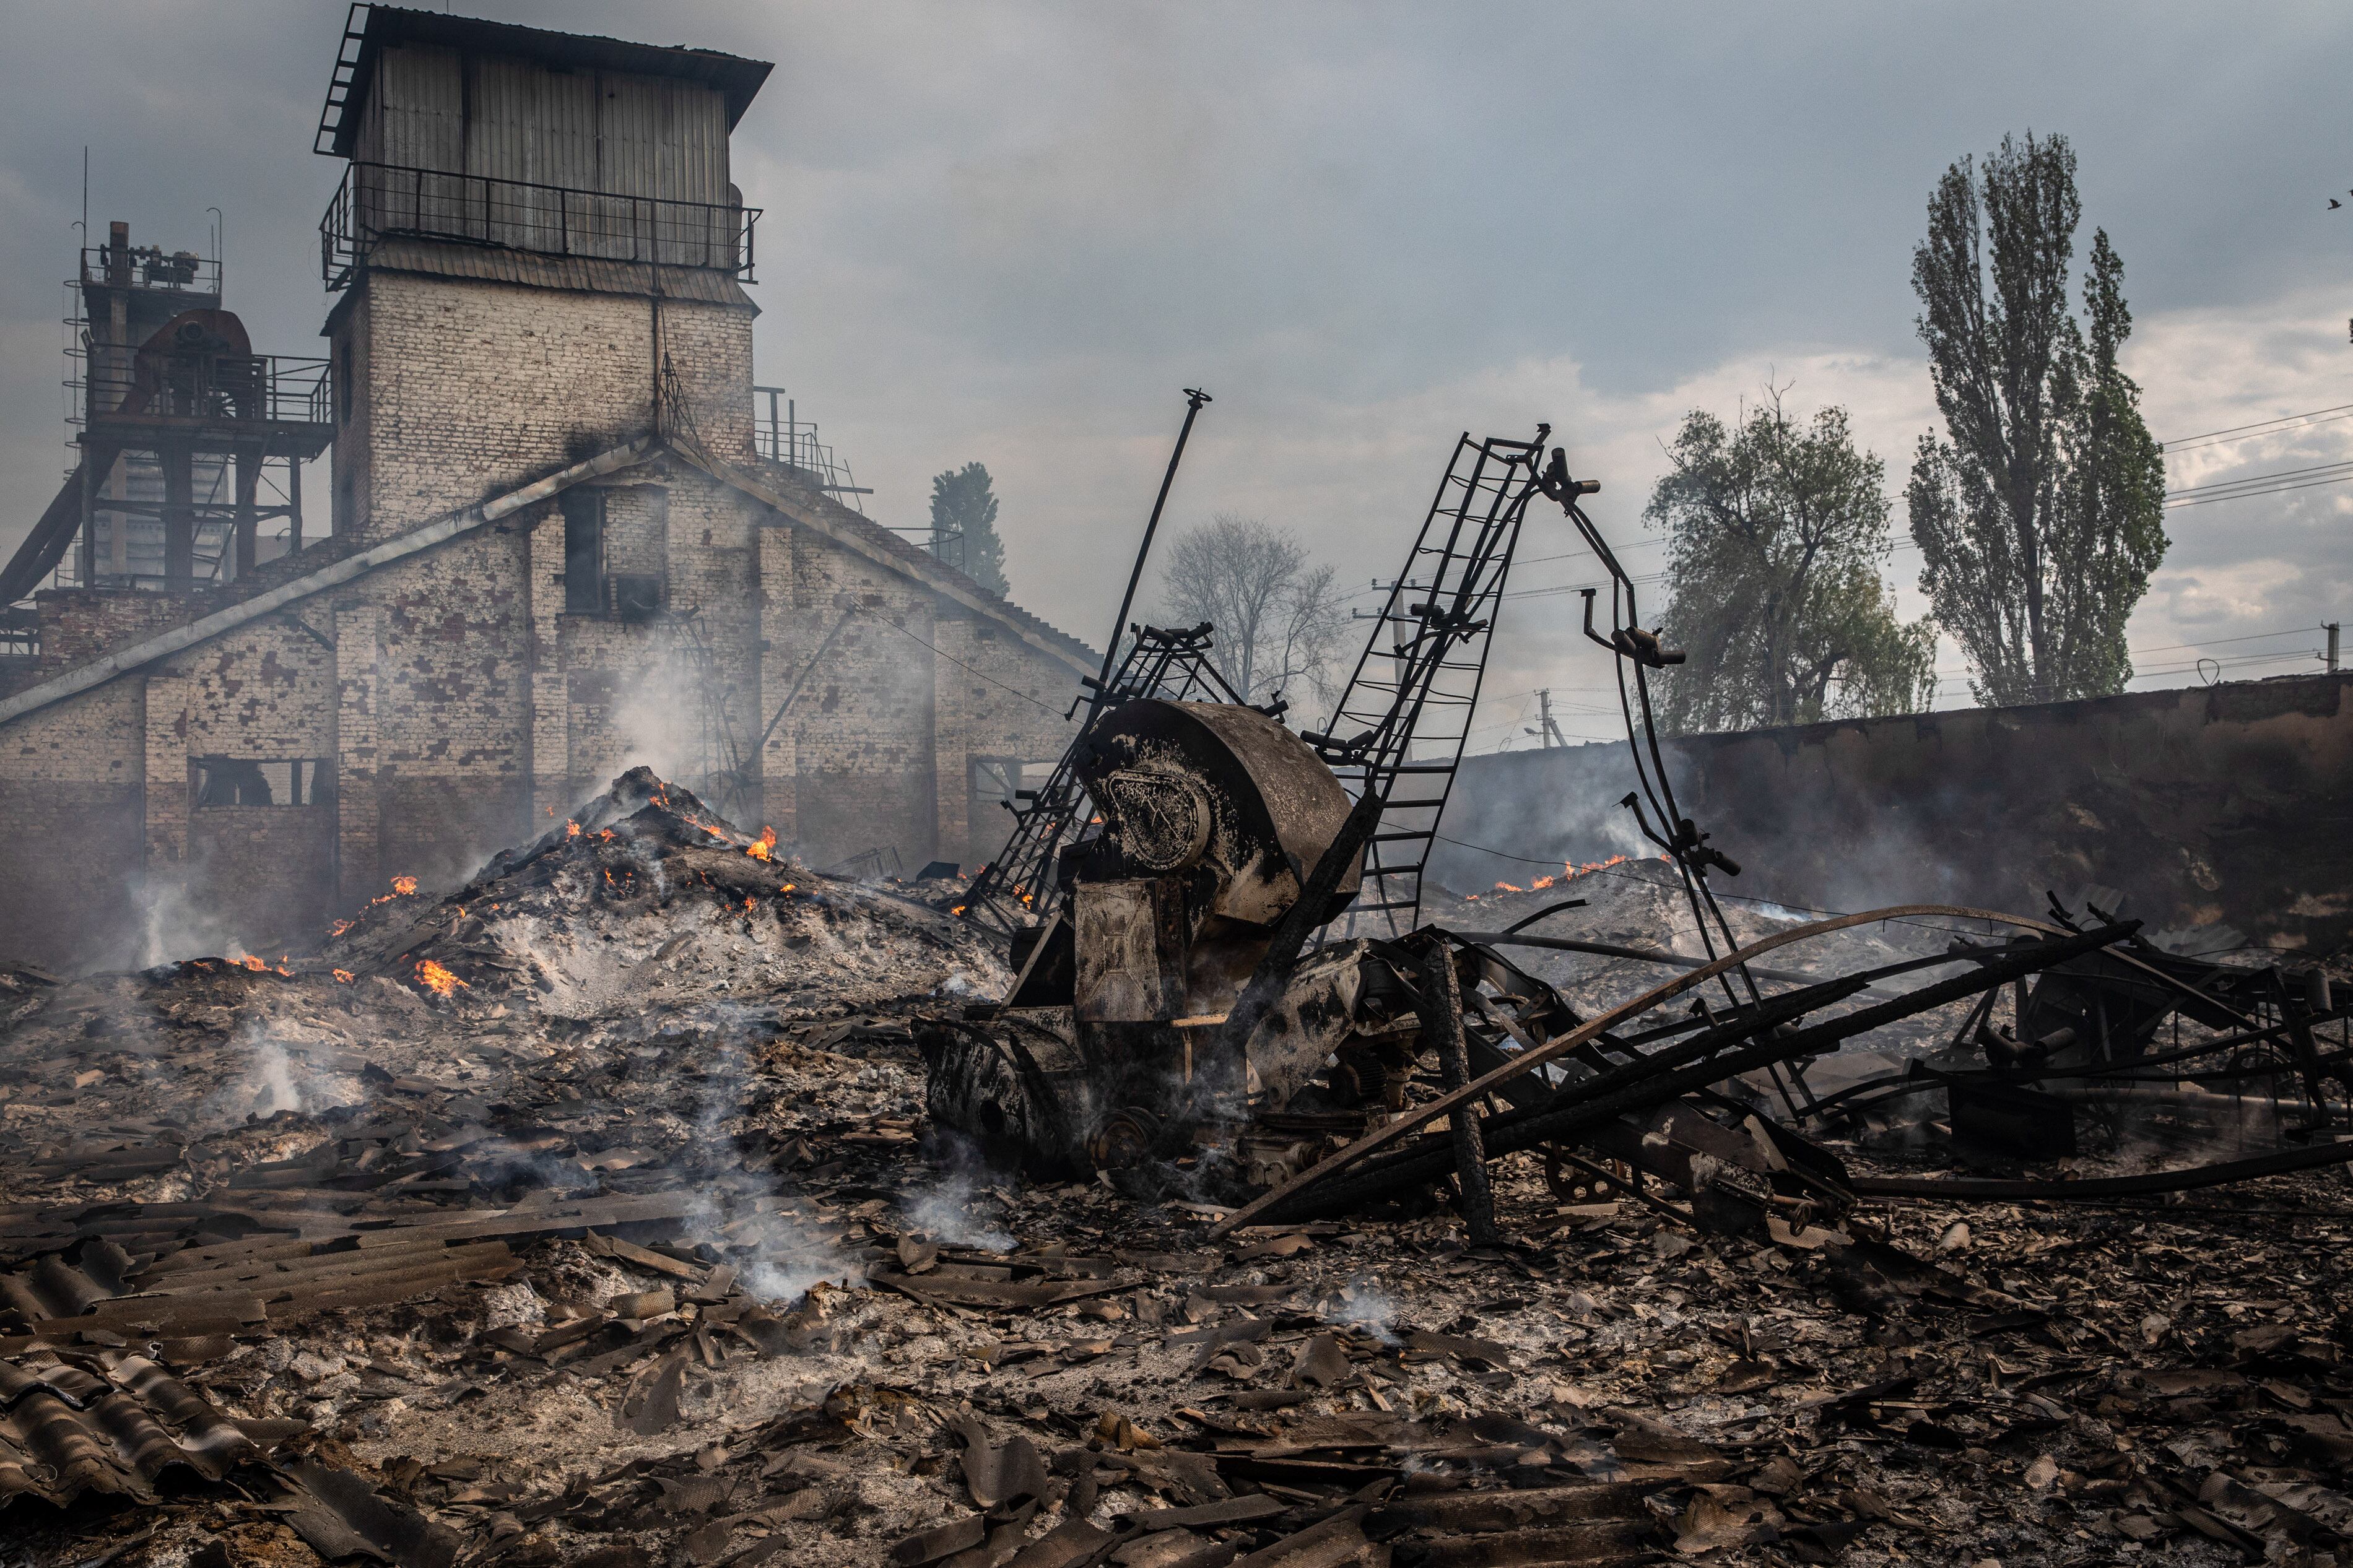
(1194, 1186)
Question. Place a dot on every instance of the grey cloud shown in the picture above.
(1010, 233)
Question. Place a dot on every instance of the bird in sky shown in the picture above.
(2334, 204)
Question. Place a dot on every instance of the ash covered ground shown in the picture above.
(590, 1214)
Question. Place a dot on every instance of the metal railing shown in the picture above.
(782, 436)
(378, 201)
(151, 266)
(245, 388)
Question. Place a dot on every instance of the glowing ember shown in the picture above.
(760, 847)
(571, 831)
(340, 927)
(436, 979)
(404, 886)
(343, 977)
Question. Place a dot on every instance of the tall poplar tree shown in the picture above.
(964, 526)
(2040, 513)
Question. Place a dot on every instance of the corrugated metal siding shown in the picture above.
(416, 112)
(620, 137)
(415, 119)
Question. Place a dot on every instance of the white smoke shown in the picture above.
(275, 1079)
(787, 1256)
(1364, 1304)
(944, 1211)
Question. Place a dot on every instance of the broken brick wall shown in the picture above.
(2230, 804)
(999, 704)
(72, 788)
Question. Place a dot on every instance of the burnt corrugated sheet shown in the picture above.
(108, 1421)
(188, 1284)
(585, 275)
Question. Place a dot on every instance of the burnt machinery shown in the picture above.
(1189, 848)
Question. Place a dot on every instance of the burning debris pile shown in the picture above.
(646, 895)
(651, 1199)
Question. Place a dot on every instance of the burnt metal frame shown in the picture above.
(1677, 837)
(1011, 890)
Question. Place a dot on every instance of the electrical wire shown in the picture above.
(952, 659)
(2261, 426)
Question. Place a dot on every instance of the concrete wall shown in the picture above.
(2230, 804)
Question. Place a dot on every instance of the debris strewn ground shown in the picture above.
(590, 1214)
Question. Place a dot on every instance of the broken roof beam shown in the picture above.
(1640, 1085)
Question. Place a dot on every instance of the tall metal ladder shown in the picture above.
(1012, 890)
(1400, 726)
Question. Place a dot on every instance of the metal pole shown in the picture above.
(1194, 399)
(2330, 657)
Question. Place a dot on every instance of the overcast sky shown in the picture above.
(1011, 234)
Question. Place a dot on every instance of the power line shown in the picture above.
(2261, 426)
(2258, 479)
(2273, 490)
(955, 660)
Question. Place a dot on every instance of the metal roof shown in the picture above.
(371, 29)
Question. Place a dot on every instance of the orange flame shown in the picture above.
(404, 886)
(760, 847)
(343, 977)
(340, 927)
(571, 829)
(253, 963)
(436, 979)
(1507, 888)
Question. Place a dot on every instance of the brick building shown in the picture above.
(559, 544)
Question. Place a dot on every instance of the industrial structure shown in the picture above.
(561, 538)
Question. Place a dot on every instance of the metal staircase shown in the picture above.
(1400, 727)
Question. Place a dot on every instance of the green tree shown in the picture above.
(964, 527)
(2040, 514)
(1775, 529)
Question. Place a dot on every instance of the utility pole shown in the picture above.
(2329, 658)
(1550, 732)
